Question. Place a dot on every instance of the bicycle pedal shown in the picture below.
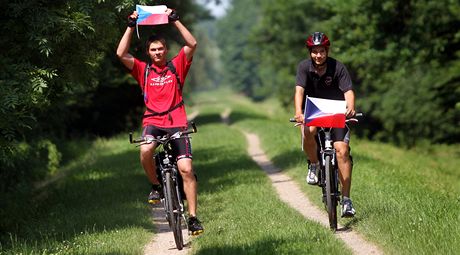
(154, 202)
(196, 233)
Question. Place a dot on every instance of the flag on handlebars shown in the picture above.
(325, 112)
(151, 15)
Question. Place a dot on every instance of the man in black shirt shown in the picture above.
(324, 77)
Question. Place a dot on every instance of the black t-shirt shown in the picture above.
(332, 85)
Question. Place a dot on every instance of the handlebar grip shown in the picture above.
(292, 120)
(131, 140)
(190, 131)
(359, 114)
(194, 127)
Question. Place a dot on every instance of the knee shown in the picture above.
(342, 153)
(146, 153)
(186, 171)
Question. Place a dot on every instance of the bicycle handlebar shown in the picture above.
(165, 138)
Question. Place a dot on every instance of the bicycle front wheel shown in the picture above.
(174, 211)
(331, 198)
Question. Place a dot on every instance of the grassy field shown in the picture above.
(408, 202)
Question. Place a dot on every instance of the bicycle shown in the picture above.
(171, 181)
(328, 174)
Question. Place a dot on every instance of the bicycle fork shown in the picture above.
(329, 150)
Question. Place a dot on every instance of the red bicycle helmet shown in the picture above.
(317, 39)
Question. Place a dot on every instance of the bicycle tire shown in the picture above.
(173, 211)
(331, 198)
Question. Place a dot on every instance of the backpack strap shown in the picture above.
(154, 113)
(172, 68)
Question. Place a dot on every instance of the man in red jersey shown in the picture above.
(161, 82)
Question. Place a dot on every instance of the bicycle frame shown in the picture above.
(328, 175)
(169, 175)
(167, 165)
(172, 200)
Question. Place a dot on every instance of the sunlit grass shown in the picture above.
(240, 209)
(407, 200)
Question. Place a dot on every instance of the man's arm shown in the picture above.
(190, 41)
(298, 99)
(350, 99)
(123, 47)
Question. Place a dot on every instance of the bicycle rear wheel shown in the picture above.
(331, 198)
(174, 211)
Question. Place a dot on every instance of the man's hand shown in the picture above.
(350, 112)
(299, 118)
(132, 19)
(172, 15)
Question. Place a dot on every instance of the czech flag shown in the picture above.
(325, 112)
(151, 15)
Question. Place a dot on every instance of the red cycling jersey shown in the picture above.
(162, 92)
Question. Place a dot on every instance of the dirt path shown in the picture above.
(291, 194)
(287, 189)
(163, 241)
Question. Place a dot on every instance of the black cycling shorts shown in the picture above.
(181, 147)
(341, 134)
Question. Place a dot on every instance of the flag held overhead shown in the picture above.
(151, 15)
(325, 112)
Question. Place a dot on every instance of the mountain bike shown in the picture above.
(328, 174)
(171, 181)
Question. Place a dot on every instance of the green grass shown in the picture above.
(97, 208)
(238, 206)
(408, 201)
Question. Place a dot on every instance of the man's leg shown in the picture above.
(345, 170)
(310, 149)
(148, 163)
(190, 185)
(344, 163)
(190, 189)
(309, 143)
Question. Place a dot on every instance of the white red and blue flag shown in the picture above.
(151, 15)
(325, 112)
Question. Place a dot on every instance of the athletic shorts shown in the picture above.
(181, 147)
(341, 134)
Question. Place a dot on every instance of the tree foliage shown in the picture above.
(404, 58)
(58, 57)
(239, 60)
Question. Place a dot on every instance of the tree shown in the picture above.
(54, 56)
(233, 37)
